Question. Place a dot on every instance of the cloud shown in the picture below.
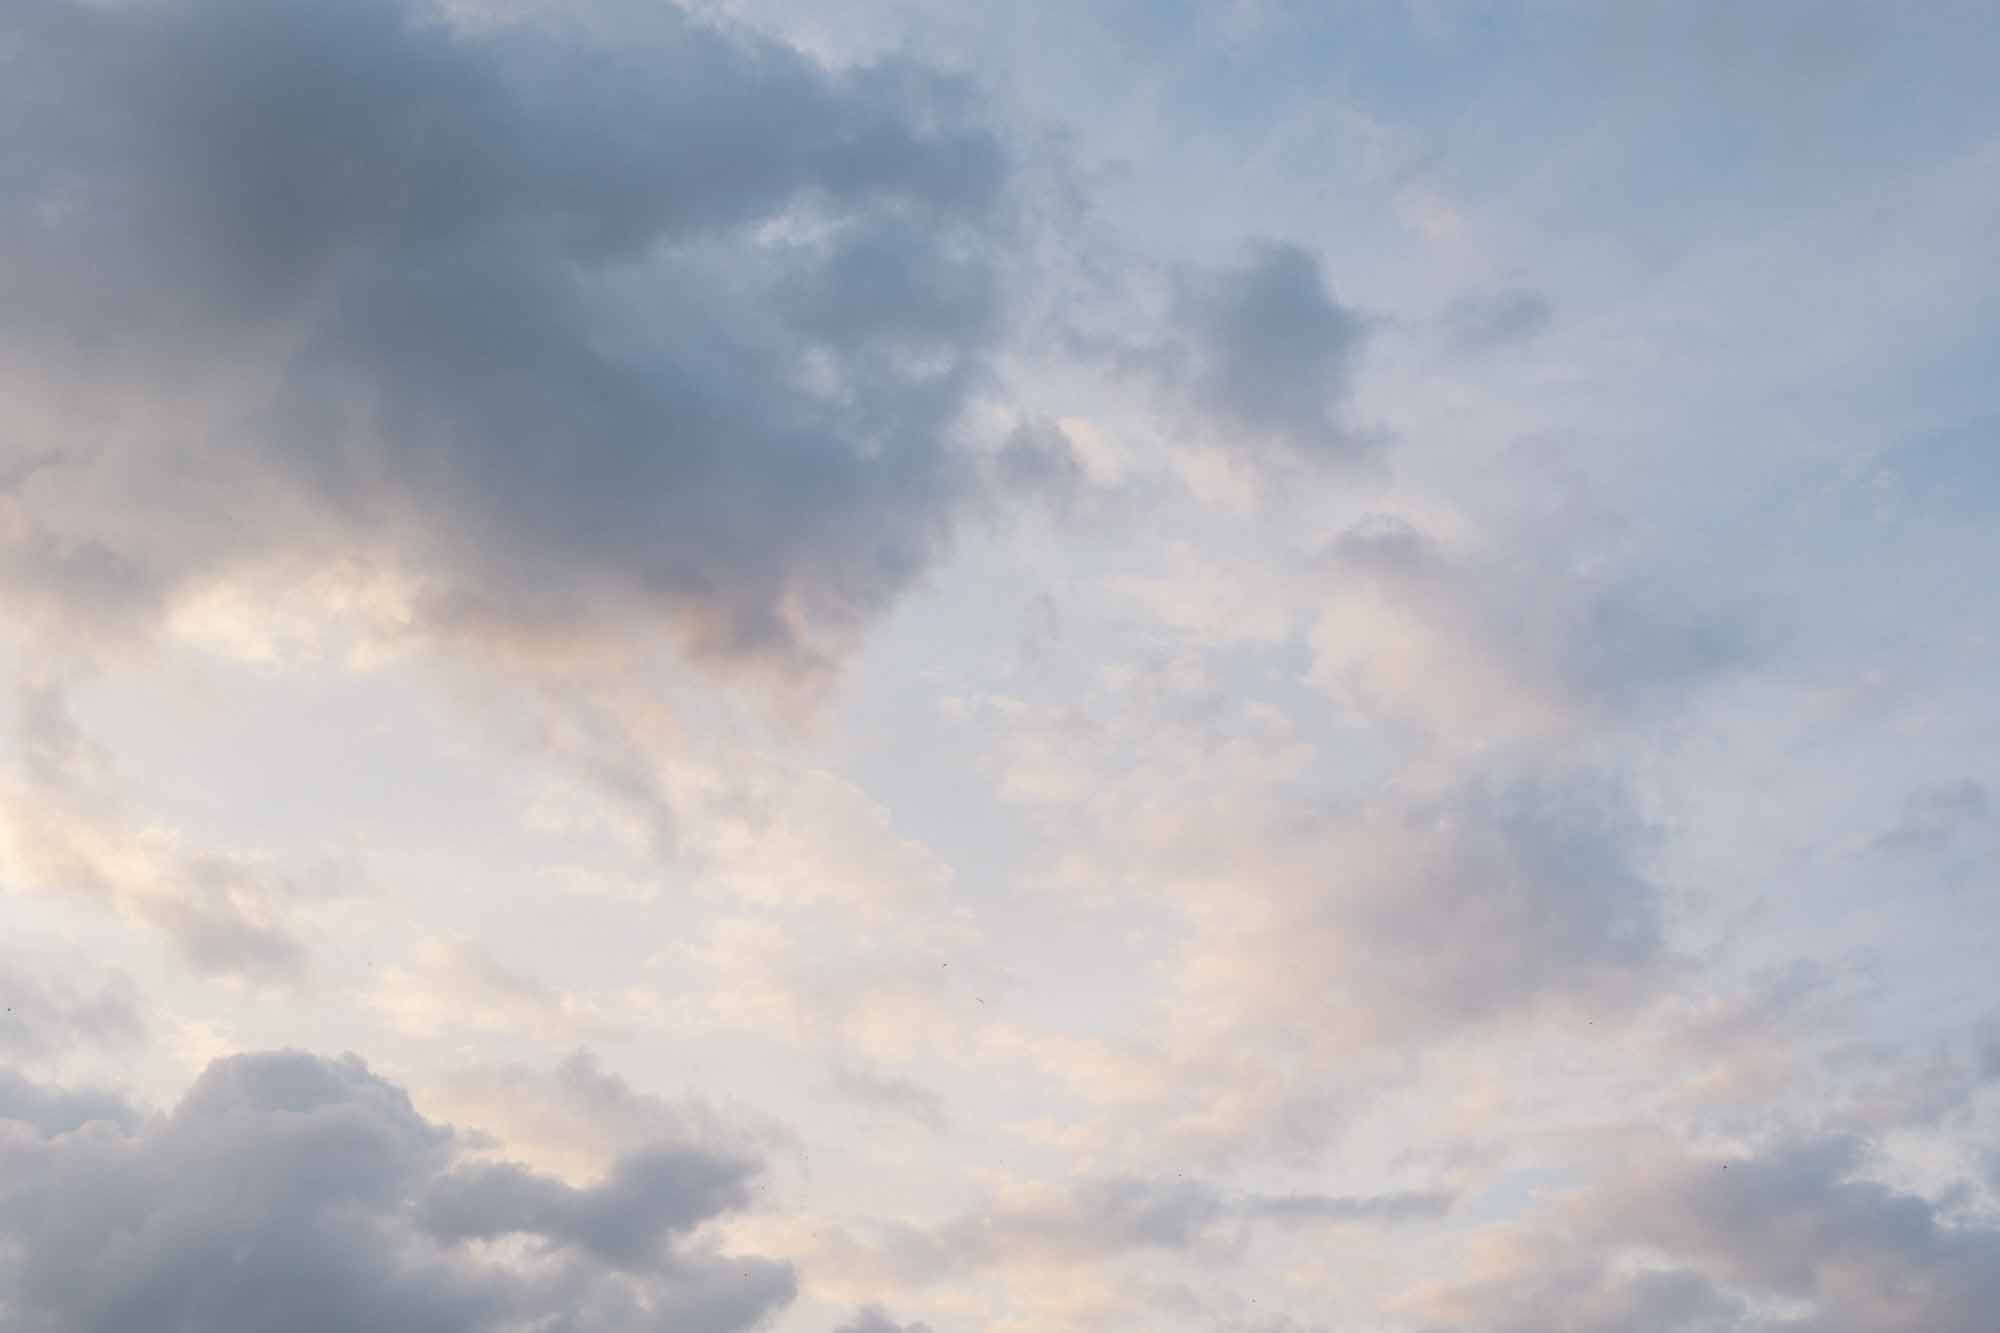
(874, 1319)
(1952, 474)
(1484, 321)
(52, 1111)
(1414, 915)
(1479, 651)
(454, 984)
(1733, 1241)
(889, 1093)
(1589, 1297)
(647, 1198)
(1307, 1209)
(65, 828)
(1934, 817)
(44, 1012)
(566, 335)
(290, 1189)
(751, 824)
(1989, 1049)
(576, 1118)
(1268, 353)
(1095, 1220)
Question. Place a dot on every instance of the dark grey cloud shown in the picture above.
(676, 329)
(1268, 353)
(1485, 321)
(287, 1190)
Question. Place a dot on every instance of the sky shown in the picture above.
(890, 666)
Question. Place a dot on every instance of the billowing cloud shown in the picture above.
(290, 1189)
(557, 332)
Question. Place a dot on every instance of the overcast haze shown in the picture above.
(897, 666)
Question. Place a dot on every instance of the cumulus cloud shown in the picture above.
(558, 332)
(287, 1189)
